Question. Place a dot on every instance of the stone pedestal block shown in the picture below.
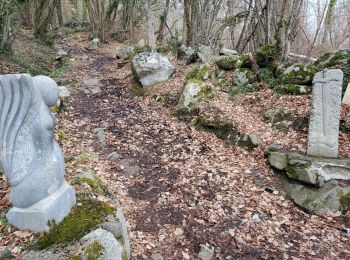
(325, 114)
(36, 217)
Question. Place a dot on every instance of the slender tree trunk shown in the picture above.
(163, 19)
(150, 29)
(187, 30)
(59, 12)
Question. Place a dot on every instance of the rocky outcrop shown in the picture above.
(298, 74)
(186, 55)
(226, 62)
(151, 68)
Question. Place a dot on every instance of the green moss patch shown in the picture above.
(82, 219)
(198, 72)
(96, 185)
(265, 55)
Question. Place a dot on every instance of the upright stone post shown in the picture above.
(32, 161)
(325, 114)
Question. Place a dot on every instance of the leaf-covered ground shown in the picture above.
(179, 187)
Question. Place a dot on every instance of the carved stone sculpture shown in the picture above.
(325, 113)
(31, 160)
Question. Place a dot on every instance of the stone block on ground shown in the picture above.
(36, 218)
(151, 68)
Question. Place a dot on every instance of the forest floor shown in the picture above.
(179, 187)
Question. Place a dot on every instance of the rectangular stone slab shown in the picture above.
(36, 217)
(325, 114)
(346, 98)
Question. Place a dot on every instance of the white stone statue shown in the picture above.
(31, 160)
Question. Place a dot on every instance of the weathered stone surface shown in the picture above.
(204, 53)
(298, 74)
(101, 135)
(226, 62)
(36, 217)
(63, 92)
(186, 55)
(325, 114)
(194, 93)
(278, 160)
(125, 53)
(35, 166)
(114, 227)
(293, 89)
(110, 247)
(206, 253)
(265, 55)
(279, 118)
(242, 77)
(228, 52)
(114, 156)
(93, 85)
(151, 68)
(198, 72)
(332, 197)
(95, 43)
(309, 169)
(346, 98)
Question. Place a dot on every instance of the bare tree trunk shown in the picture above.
(43, 13)
(187, 32)
(59, 13)
(150, 29)
(163, 19)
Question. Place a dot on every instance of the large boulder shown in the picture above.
(151, 68)
(195, 92)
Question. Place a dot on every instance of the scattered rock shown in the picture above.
(151, 68)
(114, 156)
(195, 92)
(186, 55)
(255, 139)
(101, 244)
(63, 92)
(60, 54)
(129, 167)
(95, 43)
(101, 135)
(43, 255)
(279, 118)
(206, 253)
(125, 53)
(256, 217)
(157, 256)
(93, 85)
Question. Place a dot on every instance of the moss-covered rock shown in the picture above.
(298, 74)
(339, 59)
(83, 218)
(226, 62)
(163, 48)
(292, 89)
(265, 55)
(329, 199)
(242, 77)
(195, 92)
(243, 61)
(279, 118)
(198, 72)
